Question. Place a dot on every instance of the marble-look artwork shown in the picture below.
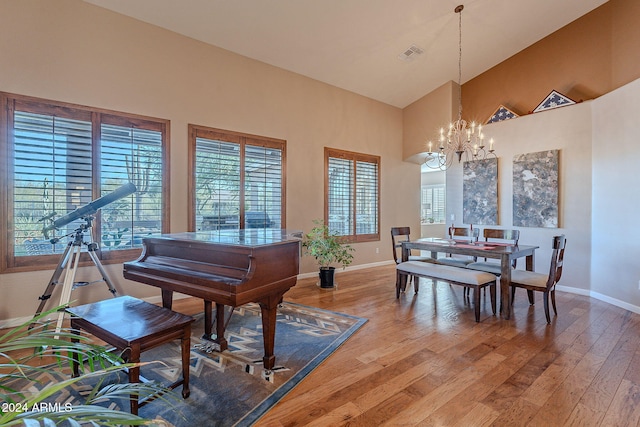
(480, 192)
(535, 189)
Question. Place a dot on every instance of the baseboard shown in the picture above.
(350, 268)
(600, 297)
(16, 321)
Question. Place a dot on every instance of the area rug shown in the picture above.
(232, 388)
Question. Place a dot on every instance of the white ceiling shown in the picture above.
(355, 44)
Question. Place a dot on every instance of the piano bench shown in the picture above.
(133, 326)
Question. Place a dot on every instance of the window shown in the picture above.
(237, 180)
(352, 195)
(433, 204)
(60, 157)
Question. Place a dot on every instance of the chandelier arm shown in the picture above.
(462, 139)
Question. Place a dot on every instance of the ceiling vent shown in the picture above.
(410, 53)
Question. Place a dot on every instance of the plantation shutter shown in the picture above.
(339, 196)
(439, 203)
(52, 174)
(366, 197)
(129, 154)
(263, 187)
(62, 157)
(352, 182)
(217, 177)
(433, 200)
(237, 179)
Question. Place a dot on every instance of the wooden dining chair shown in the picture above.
(468, 234)
(493, 267)
(399, 235)
(545, 283)
(500, 236)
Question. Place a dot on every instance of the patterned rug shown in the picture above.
(232, 388)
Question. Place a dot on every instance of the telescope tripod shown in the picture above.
(68, 265)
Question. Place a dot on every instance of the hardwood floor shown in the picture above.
(423, 360)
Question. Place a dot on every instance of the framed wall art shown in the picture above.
(535, 189)
(480, 192)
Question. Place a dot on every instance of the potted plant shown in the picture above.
(35, 350)
(326, 248)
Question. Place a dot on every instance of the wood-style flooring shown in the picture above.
(423, 360)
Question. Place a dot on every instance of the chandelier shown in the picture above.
(462, 138)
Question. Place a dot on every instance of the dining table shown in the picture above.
(505, 252)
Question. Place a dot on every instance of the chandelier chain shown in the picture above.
(459, 12)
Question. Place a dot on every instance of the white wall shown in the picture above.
(599, 191)
(615, 255)
(567, 129)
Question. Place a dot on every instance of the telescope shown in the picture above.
(92, 207)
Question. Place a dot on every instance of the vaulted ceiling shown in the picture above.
(360, 45)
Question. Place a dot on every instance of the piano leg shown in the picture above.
(208, 321)
(220, 327)
(269, 309)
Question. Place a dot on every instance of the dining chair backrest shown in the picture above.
(510, 236)
(399, 235)
(463, 232)
(532, 281)
(557, 260)
(500, 234)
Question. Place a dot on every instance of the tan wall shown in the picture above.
(586, 59)
(625, 41)
(72, 51)
(423, 118)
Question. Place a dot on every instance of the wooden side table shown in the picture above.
(133, 326)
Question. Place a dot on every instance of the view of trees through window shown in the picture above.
(135, 156)
(238, 180)
(61, 163)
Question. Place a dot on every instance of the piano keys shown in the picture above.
(226, 267)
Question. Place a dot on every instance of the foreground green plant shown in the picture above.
(33, 349)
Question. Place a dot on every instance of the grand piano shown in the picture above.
(226, 267)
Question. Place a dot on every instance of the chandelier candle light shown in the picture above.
(462, 138)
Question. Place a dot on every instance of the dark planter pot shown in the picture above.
(326, 277)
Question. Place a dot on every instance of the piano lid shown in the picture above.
(244, 237)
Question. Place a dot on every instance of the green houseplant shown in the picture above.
(326, 248)
(36, 350)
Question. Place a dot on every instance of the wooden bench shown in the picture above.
(133, 326)
(454, 275)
